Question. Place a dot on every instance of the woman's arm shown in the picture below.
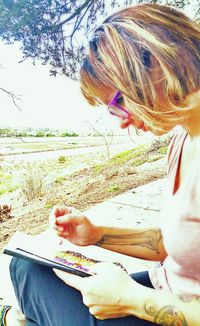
(112, 293)
(165, 308)
(142, 243)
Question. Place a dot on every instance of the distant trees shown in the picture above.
(56, 31)
(29, 132)
(6, 132)
(69, 134)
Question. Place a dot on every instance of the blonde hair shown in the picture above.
(129, 46)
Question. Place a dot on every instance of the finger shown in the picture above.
(63, 234)
(72, 280)
(75, 211)
(105, 311)
(54, 213)
(98, 312)
(69, 218)
(63, 220)
(103, 267)
(55, 228)
(59, 228)
(61, 210)
(109, 316)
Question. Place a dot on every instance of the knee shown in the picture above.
(21, 268)
(24, 271)
(29, 280)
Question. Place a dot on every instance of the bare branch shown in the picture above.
(196, 17)
(19, 137)
(77, 12)
(104, 137)
(13, 97)
(76, 26)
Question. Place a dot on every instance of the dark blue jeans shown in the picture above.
(47, 301)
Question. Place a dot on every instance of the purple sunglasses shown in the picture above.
(115, 109)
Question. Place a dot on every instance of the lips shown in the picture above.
(141, 126)
(138, 124)
(125, 123)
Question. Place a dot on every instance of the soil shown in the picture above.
(82, 190)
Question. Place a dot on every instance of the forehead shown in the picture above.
(107, 95)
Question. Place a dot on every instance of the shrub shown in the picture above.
(50, 135)
(98, 168)
(7, 184)
(60, 180)
(32, 182)
(69, 134)
(113, 188)
(139, 161)
(62, 159)
(163, 150)
(154, 158)
(40, 134)
(123, 157)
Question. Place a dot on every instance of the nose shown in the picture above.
(124, 123)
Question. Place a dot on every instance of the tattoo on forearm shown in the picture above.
(166, 316)
(188, 298)
(149, 239)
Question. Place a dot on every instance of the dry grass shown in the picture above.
(32, 182)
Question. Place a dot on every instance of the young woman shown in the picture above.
(144, 63)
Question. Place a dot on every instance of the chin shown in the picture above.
(158, 132)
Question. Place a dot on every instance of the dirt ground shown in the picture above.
(82, 190)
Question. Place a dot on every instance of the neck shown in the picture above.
(192, 117)
(192, 124)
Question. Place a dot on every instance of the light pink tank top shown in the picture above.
(180, 226)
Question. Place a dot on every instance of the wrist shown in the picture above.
(137, 296)
(99, 230)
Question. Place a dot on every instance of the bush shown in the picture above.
(40, 134)
(62, 159)
(60, 180)
(7, 184)
(69, 134)
(113, 188)
(50, 135)
(32, 182)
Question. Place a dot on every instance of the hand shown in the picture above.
(76, 228)
(108, 294)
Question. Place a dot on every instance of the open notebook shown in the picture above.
(46, 249)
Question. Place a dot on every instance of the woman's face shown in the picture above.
(133, 120)
(125, 122)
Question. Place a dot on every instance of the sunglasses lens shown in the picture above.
(118, 111)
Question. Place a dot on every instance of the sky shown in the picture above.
(46, 101)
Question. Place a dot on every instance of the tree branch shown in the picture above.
(77, 12)
(104, 137)
(197, 14)
(13, 97)
(76, 26)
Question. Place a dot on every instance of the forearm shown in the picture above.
(140, 243)
(164, 308)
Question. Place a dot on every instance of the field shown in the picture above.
(82, 180)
